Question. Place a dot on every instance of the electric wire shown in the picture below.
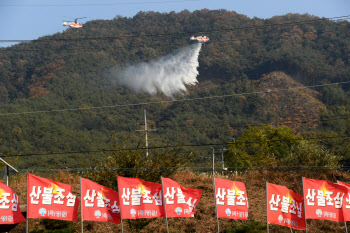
(173, 100)
(167, 147)
(294, 23)
(291, 121)
(217, 169)
(172, 44)
(95, 4)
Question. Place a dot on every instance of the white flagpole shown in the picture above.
(302, 181)
(267, 211)
(216, 209)
(27, 207)
(120, 204)
(166, 218)
(81, 207)
(346, 228)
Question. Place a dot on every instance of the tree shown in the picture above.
(133, 163)
(307, 153)
(261, 146)
(268, 146)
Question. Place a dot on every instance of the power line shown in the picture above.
(95, 4)
(292, 121)
(93, 49)
(275, 168)
(166, 147)
(172, 101)
(184, 33)
(204, 145)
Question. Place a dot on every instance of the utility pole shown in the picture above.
(146, 130)
(234, 141)
(7, 171)
(222, 159)
(213, 158)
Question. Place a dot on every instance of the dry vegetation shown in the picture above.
(297, 107)
(204, 220)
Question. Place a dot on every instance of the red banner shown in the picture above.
(99, 202)
(324, 200)
(285, 207)
(180, 201)
(344, 184)
(231, 199)
(50, 199)
(10, 212)
(140, 199)
(346, 202)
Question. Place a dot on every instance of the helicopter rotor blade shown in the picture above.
(76, 20)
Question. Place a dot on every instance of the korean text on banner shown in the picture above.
(10, 212)
(324, 200)
(50, 199)
(285, 207)
(140, 199)
(180, 201)
(231, 199)
(99, 203)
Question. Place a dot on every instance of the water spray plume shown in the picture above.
(169, 74)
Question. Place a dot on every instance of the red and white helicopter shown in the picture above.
(201, 39)
(74, 24)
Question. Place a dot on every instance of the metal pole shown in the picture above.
(120, 205)
(166, 218)
(7, 171)
(7, 175)
(302, 181)
(234, 140)
(81, 207)
(222, 160)
(346, 228)
(267, 210)
(213, 159)
(27, 227)
(146, 135)
(216, 208)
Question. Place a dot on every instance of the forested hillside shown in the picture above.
(56, 93)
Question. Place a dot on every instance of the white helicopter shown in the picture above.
(201, 39)
(74, 24)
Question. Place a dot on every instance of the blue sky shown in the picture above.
(30, 19)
